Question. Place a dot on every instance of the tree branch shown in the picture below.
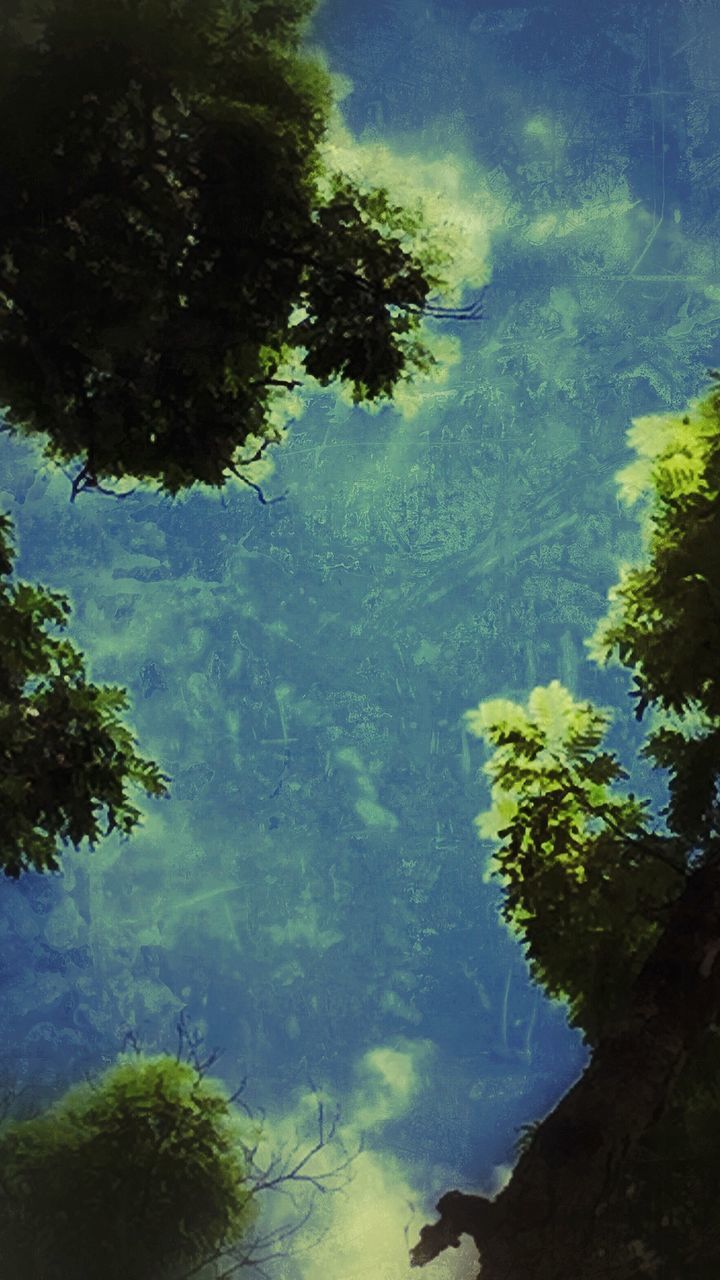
(85, 480)
(555, 1217)
(233, 467)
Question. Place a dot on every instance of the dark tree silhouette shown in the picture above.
(170, 239)
(621, 916)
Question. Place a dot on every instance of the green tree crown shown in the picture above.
(68, 762)
(589, 883)
(664, 618)
(140, 1173)
(170, 241)
(574, 852)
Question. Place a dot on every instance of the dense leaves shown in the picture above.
(172, 251)
(585, 880)
(587, 883)
(140, 1173)
(355, 327)
(68, 762)
(690, 750)
(664, 619)
(612, 913)
(664, 616)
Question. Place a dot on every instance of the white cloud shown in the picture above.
(458, 206)
(364, 1230)
(370, 1230)
(388, 1081)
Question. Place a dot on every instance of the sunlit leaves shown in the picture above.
(588, 885)
(68, 761)
(585, 879)
(664, 618)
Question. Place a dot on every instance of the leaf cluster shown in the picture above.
(664, 619)
(164, 221)
(365, 295)
(68, 761)
(140, 1173)
(664, 615)
(585, 879)
(688, 748)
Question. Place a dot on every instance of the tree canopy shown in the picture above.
(140, 1173)
(576, 853)
(664, 619)
(619, 912)
(68, 762)
(173, 251)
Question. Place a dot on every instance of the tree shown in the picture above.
(67, 760)
(619, 915)
(154, 1170)
(172, 250)
(140, 1174)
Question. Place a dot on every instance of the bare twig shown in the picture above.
(86, 480)
(190, 1045)
(234, 467)
(131, 1041)
(471, 311)
(288, 383)
(285, 1172)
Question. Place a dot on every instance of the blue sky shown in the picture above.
(313, 893)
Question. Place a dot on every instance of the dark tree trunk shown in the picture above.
(557, 1218)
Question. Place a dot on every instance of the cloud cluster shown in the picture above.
(364, 1231)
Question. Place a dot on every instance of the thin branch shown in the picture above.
(255, 1254)
(246, 462)
(200, 1266)
(261, 1243)
(233, 467)
(130, 1040)
(471, 311)
(189, 1046)
(288, 383)
(268, 1181)
(435, 310)
(87, 480)
(237, 1099)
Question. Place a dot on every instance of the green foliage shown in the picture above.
(689, 749)
(585, 880)
(67, 759)
(139, 1174)
(664, 619)
(169, 241)
(354, 326)
(664, 616)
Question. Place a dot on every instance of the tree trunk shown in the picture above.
(555, 1219)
